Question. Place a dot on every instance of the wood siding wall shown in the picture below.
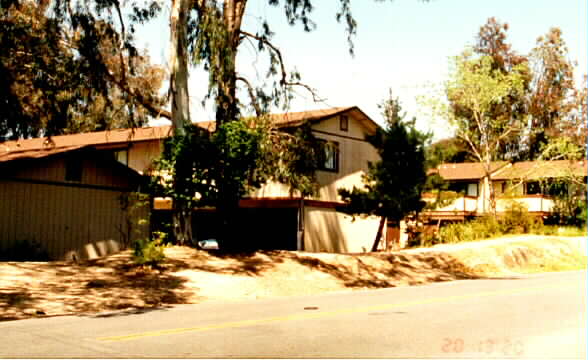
(85, 219)
(326, 230)
(354, 154)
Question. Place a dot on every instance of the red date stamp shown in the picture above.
(490, 347)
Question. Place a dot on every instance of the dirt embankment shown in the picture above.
(29, 289)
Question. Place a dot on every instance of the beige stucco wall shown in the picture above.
(326, 230)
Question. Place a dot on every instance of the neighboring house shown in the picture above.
(519, 181)
(65, 192)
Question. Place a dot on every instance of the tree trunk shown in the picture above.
(179, 65)
(182, 224)
(182, 217)
(379, 234)
(226, 102)
(488, 184)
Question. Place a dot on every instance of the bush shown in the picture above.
(571, 212)
(149, 252)
(517, 220)
(25, 250)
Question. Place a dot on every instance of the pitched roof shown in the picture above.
(533, 170)
(467, 171)
(41, 147)
(292, 119)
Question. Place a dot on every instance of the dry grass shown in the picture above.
(29, 289)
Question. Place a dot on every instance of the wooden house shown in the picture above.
(69, 194)
(314, 224)
(43, 197)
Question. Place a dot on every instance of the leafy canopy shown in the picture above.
(49, 85)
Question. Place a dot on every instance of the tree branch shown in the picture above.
(283, 75)
(122, 44)
(251, 92)
(154, 110)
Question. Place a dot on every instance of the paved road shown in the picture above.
(540, 316)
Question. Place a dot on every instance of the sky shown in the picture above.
(401, 45)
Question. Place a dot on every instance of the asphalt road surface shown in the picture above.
(538, 317)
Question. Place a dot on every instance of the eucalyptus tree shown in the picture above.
(549, 100)
(475, 86)
(46, 88)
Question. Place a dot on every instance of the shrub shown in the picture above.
(149, 252)
(517, 220)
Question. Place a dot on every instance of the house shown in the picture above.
(315, 224)
(519, 182)
(272, 218)
(68, 192)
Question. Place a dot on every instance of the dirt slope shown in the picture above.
(29, 289)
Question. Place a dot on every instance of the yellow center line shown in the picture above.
(323, 314)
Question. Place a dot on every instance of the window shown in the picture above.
(343, 123)
(469, 189)
(73, 169)
(533, 188)
(472, 189)
(331, 156)
(122, 156)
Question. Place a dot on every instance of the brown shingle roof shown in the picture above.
(542, 169)
(298, 118)
(292, 119)
(41, 147)
(467, 171)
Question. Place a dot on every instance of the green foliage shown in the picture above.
(515, 220)
(393, 185)
(200, 168)
(452, 150)
(473, 90)
(510, 106)
(570, 207)
(216, 169)
(292, 157)
(54, 83)
(149, 252)
(25, 250)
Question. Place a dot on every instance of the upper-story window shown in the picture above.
(343, 122)
(73, 169)
(331, 156)
(122, 156)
